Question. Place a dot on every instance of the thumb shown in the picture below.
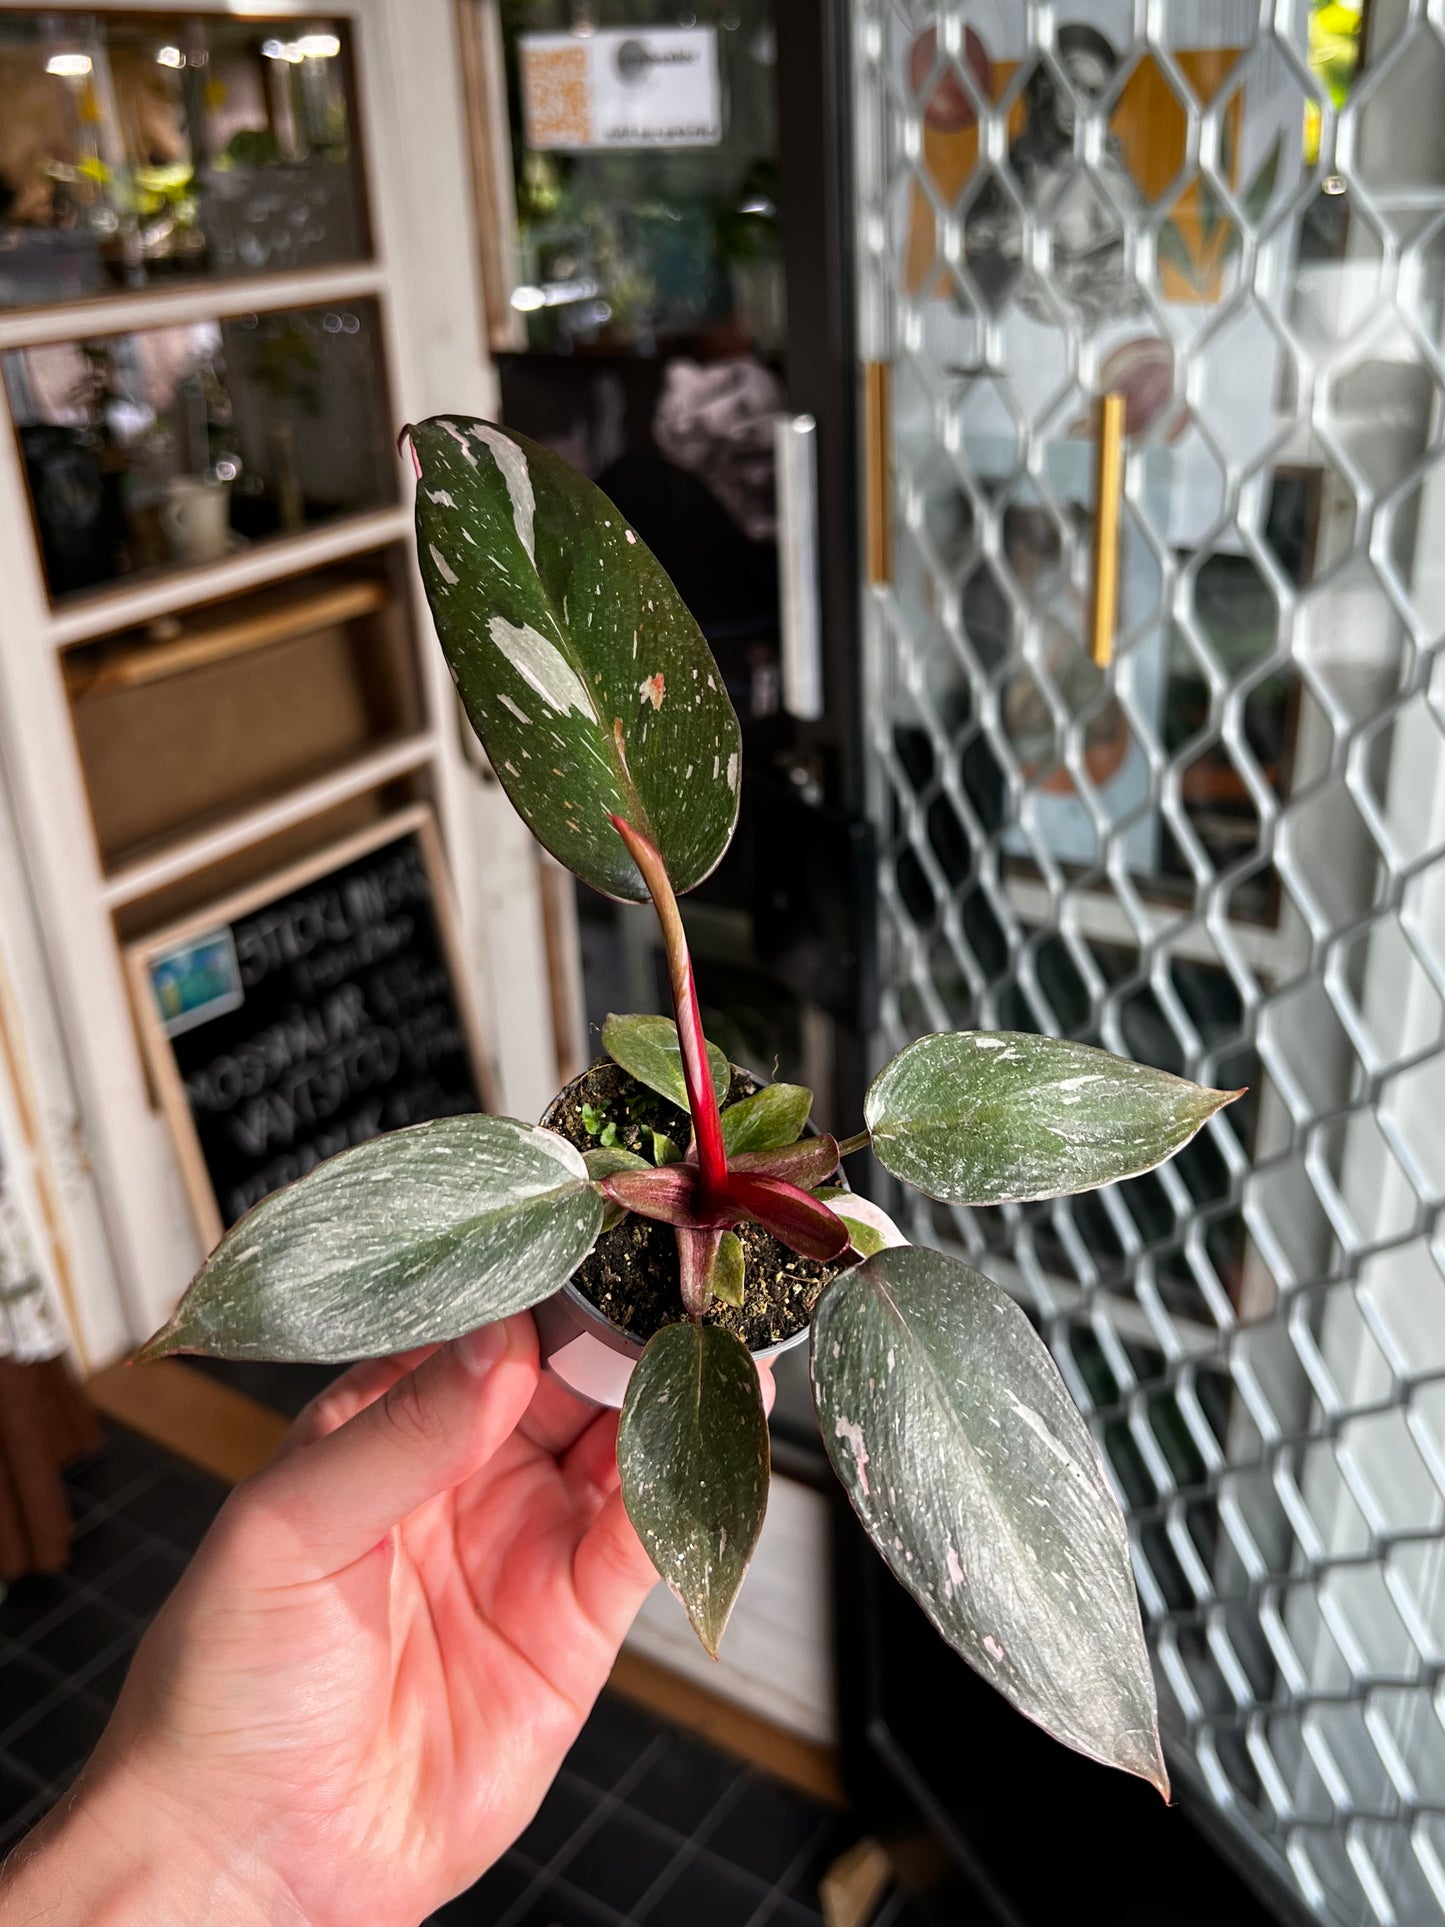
(336, 1498)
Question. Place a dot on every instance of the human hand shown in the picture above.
(365, 1682)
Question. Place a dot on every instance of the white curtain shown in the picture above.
(32, 1321)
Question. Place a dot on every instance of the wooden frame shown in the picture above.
(160, 1059)
(484, 85)
(132, 1235)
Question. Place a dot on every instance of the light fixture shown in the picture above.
(170, 57)
(69, 66)
(556, 294)
(311, 46)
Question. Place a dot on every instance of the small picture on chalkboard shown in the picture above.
(196, 981)
(307, 1014)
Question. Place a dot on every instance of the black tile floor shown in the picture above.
(644, 1823)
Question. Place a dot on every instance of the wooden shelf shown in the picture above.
(92, 616)
(216, 635)
(140, 879)
(110, 313)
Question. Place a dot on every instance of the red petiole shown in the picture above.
(703, 1196)
(701, 1098)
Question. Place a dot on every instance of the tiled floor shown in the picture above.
(65, 1642)
(644, 1824)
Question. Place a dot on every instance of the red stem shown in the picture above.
(701, 1098)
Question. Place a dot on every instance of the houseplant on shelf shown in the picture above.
(680, 1207)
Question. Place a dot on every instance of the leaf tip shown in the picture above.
(709, 1628)
(1221, 1100)
(1157, 1774)
(159, 1345)
(406, 438)
(1142, 1754)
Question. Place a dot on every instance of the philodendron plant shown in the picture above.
(605, 718)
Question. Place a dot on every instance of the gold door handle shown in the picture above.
(1108, 490)
(878, 469)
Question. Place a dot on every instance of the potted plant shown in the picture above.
(692, 1215)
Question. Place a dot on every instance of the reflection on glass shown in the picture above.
(137, 149)
(1267, 314)
(179, 446)
(646, 175)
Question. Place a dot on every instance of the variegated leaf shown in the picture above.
(413, 1237)
(977, 1480)
(999, 1117)
(582, 672)
(692, 1451)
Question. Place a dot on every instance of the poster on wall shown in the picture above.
(621, 87)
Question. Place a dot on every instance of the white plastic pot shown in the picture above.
(591, 1356)
(594, 1359)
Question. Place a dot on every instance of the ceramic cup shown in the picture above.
(196, 516)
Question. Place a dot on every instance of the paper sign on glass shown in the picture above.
(622, 87)
(195, 981)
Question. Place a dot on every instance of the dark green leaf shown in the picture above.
(411, 1238)
(584, 675)
(996, 1117)
(664, 1151)
(863, 1237)
(692, 1450)
(648, 1048)
(772, 1117)
(977, 1480)
(729, 1270)
(870, 1228)
(602, 1163)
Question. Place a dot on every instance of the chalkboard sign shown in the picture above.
(308, 1014)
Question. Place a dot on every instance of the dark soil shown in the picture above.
(631, 1273)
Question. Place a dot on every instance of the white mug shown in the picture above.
(196, 516)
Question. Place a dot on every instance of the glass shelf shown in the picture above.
(178, 447)
(136, 152)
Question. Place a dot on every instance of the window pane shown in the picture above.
(143, 150)
(178, 446)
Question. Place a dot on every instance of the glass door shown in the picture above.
(662, 192)
(1156, 762)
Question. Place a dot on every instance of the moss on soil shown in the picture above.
(631, 1273)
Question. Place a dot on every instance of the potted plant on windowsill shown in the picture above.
(686, 1220)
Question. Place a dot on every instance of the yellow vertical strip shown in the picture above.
(1108, 489)
(878, 465)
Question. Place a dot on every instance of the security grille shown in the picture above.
(1221, 846)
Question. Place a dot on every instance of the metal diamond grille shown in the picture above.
(1223, 851)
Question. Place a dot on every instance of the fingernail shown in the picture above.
(482, 1349)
